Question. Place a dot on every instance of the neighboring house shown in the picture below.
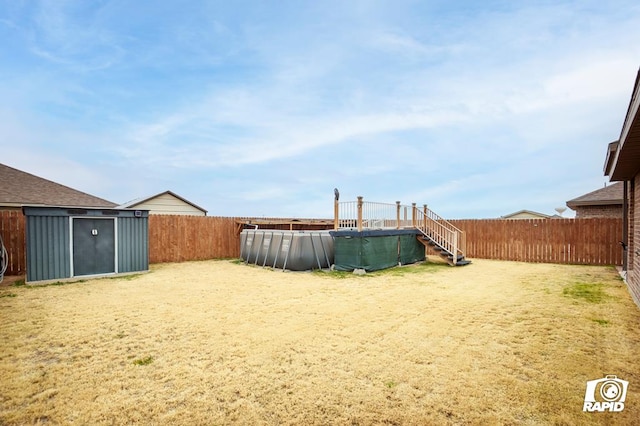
(165, 203)
(18, 188)
(622, 164)
(526, 214)
(603, 202)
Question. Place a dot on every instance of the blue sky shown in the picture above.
(257, 108)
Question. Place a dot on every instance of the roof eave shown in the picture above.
(612, 151)
(573, 204)
(63, 206)
(625, 164)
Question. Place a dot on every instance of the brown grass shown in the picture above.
(217, 342)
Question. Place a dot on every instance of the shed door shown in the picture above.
(94, 247)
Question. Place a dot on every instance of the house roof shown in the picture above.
(609, 195)
(131, 204)
(624, 162)
(526, 212)
(18, 188)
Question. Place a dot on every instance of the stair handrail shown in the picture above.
(442, 232)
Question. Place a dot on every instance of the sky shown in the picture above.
(261, 108)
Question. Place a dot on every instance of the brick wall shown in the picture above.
(588, 212)
(633, 266)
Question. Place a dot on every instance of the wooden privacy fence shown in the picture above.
(174, 238)
(579, 241)
(182, 238)
(12, 231)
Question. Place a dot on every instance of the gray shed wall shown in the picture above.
(133, 244)
(49, 248)
(48, 253)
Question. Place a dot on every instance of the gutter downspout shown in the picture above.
(625, 225)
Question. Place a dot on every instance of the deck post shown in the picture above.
(397, 214)
(424, 211)
(413, 215)
(455, 248)
(336, 212)
(359, 223)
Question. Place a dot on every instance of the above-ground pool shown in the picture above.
(292, 250)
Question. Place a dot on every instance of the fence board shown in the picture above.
(12, 230)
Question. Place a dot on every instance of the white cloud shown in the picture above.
(468, 109)
(594, 77)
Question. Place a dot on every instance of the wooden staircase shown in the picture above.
(442, 252)
(441, 237)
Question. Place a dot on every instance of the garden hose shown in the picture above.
(4, 259)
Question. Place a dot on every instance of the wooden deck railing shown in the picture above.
(371, 215)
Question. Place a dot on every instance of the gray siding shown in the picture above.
(133, 244)
(48, 251)
(48, 237)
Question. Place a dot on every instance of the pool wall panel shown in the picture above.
(373, 250)
(293, 250)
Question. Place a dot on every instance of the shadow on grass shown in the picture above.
(397, 271)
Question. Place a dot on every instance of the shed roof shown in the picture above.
(18, 188)
(609, 195)
(138, 201)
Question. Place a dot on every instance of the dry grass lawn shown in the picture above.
(218, 342)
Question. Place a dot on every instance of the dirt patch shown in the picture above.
(218, 342)
(9, 280)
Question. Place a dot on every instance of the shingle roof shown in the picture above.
(609, 195)
(19, 188)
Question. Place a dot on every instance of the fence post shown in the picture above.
(397, 214)
(463, 243)
(359, 223)
(336, 212)
(413, 215)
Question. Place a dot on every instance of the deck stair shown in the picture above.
(442, 252)
(436, 233)
(441, 237)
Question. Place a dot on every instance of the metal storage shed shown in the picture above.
(65, 242)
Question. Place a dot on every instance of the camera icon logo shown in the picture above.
(606, 394)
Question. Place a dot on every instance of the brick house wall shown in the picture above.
(633, 266)
(587, 212)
